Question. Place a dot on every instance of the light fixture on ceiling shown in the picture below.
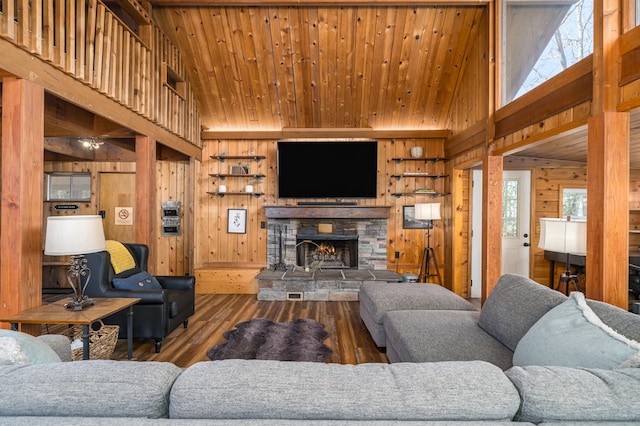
(91, 143)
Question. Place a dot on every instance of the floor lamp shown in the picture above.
(428, 212)
(564, 236)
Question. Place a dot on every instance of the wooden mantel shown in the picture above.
(326, 212)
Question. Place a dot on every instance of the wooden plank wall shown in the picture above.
(174, 183)
(213, 245)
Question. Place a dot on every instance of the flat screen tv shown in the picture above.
(327, 169)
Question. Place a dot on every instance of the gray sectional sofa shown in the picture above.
(242, 392)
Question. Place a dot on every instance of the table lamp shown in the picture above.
(75, 235)
(564, 236)
(428, 212)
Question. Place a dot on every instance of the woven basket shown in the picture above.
(102, 342)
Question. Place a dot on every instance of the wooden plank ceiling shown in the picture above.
(271, 68)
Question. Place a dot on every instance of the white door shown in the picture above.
(516, 215)
(516, 224)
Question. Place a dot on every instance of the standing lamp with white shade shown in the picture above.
(428, 212)
(564, 236)
(75, 235)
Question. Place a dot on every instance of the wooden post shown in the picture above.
(22, 173)
(146, 212)
(491, 223)
(608, 209)
(607, 168)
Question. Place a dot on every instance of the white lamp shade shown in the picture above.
(428, 211)
(73, 235)
(563, 236)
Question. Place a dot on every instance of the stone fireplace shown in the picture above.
(361, 244)
(315, 264)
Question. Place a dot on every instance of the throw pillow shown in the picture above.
(572, 335)
(141, 280)
(21, 348)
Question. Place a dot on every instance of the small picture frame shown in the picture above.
(239, 169)
(237, 221)
(409, 220)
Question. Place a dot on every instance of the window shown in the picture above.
(510, 207)
(541, 38)
(68, 187)
(574, 203)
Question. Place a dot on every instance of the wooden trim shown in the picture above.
(326, 212)
(467, 139)
(325, 133)
(629, 67)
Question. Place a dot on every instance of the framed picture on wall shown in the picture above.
(409, 220)
(237, 221)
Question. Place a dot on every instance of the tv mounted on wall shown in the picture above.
(327, 169)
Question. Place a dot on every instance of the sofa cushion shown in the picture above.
(551, 394)
(514, 305)
(23, 349)
(376, 299)
(256, 389)
(141, 280)
(427, 336)
(572, 335)
(98, 388)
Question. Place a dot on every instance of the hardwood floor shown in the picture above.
(217, 313)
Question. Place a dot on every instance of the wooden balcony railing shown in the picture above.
(85, 39)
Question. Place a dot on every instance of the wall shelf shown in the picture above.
(432, 159)
(221, 158)
(429, 194)
(223, 176)
(420, 175)
(222, 194)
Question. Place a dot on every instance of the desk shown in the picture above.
(56, 313)
(574, 259)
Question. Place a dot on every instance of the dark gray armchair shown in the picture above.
(159, 311)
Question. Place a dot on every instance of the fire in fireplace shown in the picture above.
(328, 251)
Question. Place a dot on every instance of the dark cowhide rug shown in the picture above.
(260, 338)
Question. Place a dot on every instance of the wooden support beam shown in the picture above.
(608, 209)
(491, 223)
(146, 207)
(21, 222)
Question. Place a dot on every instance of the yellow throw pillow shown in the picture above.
(121, 258)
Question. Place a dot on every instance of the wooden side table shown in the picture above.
(56, 313)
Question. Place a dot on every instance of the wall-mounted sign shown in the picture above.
(124, 216)
(66, 207)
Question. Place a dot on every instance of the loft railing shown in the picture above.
(138, 67)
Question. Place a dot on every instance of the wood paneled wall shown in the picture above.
(173, 253)
(547, 202)
(213, 245)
